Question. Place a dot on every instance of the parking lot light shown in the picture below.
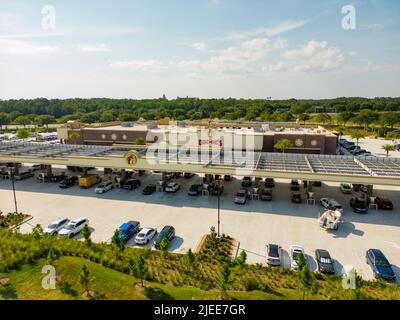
(13, 186)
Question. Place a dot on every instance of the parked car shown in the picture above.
(359, 205)
(247, 182)
(317, 184)
(23, 175)
(104, 187)
(56, 226)
(294, 185)
(331, 204)
(169, 175)
(73, 227)
(274, 254)
(168, 232)
(195, 189)
(324, 261)
(149, 189)
(131, 184)
(145, 235)
(296, 197)
(295, 250)
(346, 188)
(241, 196)
(227, 177)
(266, 195)
(380, 265)
(68, 182)
(269, 182)
(58, 177)
(37, 167)
(215, 189)
(128, 230)
(384, 203)
(172, 187)
(188, 175)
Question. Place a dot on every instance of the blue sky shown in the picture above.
(204, 48)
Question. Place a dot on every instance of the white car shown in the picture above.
(145, 235)
(104, 187)
(73, 227)
(172, 187)
(331, 204)
(295, 250)
(274, 254)
(346, 188)
(56, 226)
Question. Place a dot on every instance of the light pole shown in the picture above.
(219, 207)
(13, 187)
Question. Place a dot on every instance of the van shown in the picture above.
(89, 180)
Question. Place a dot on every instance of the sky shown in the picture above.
(199, 48)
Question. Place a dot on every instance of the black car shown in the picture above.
(167, 232)
(384, 203)
(294, 185)
(58, 178)
(266, 195)
(359, 205)
(317, 184)
(215, 189)
(149, 189)
(227, 177)
(68, 182)
(269, 182)
(324, 261)
(195, 189)
(247, 182)
(380, 265)
(132, 184)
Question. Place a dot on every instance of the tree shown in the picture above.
(85, 278)
(388, 148)
(306, 280)
(138, 268)
(304, 117)
(345, 116)
(224, 279)
(139, 141)
(357, 134)
(22, 121)
(22, 133)
(74, 136)
(283, 144)
(86, 234)
(240, 261)
(164, 246)
(4, 119)
(118, 243)
(301, 261)
(323, 118)
(51, 257)
(366, 117)
(45, 120)
(189, 259)
(37, 232)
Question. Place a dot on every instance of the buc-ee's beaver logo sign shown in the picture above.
(131, 158)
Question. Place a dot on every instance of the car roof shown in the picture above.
(126, 225)
(146, 229)
(297, 248)
(59, 220)
(378, 253)
(77, 220)
(323, 253)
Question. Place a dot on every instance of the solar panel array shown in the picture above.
(323, 164)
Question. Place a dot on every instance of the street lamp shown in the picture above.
(13, 187)
(219, 207)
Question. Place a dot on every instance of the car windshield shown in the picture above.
(52, 226)
(102, 185)
(240, 194)
(361, 204)
(141, 235)
(382, 263)
(325, 260)
(273, 251)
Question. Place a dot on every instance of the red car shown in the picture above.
(384, 203)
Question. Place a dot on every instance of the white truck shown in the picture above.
(330, 219)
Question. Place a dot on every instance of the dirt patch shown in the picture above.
(4, 281)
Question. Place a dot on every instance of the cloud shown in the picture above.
(87, 48)
(140, 65)
(374, 26)
(267, 31)
(8, 20)
(17, 47)
(200, 46)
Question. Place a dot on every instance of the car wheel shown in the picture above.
(71, 235)
(147, 241)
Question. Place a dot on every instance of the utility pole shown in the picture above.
(219, 207)
(13, 187)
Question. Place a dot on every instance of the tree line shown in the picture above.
(45, 111)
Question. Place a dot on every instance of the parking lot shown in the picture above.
(253, 225)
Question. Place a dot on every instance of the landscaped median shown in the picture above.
(101, 271)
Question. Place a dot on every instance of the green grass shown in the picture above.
(25, 284)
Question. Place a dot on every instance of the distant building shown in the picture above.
(205, 134)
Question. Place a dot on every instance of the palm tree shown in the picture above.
(283, 144)
(388, 148)
(357, 134)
